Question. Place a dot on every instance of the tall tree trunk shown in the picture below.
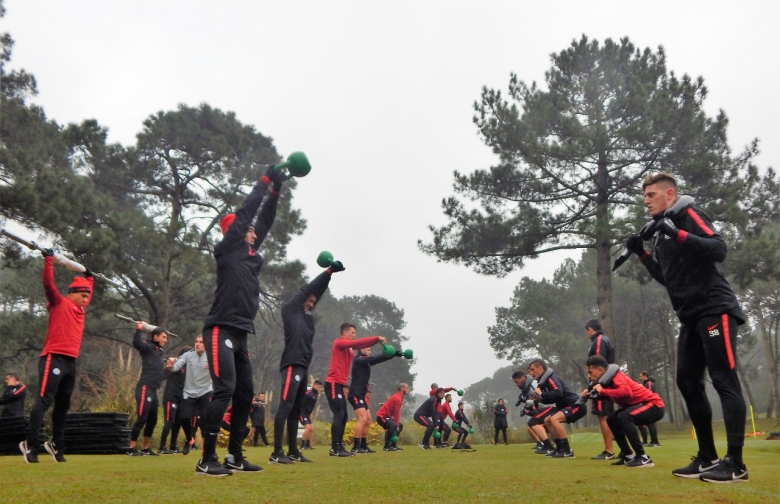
(746, 384)
(603, 246)
(758, 311)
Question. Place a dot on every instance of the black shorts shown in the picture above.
(538, 418)
(602, 407)
(574, 412)
(305, 419)
(193, 407)
(358, 402)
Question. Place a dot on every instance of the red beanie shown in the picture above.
(226, 221)
(80, 284)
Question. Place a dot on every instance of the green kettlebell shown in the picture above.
(436, 434)
(455, 425)
(408, 354)
(471, 430)
(325, 259)
(387, 350)
(394, 439)
(297, 165)
(460, 393)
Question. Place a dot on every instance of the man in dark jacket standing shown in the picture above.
(298, 350)
(231, 319)
(602, 407)
(13, 396)
(257, 417)
(499, 422)
(152, 374)
(686, 259)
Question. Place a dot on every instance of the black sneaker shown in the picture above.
(133, 452)
(278, 457)
(424, 446)
(466, 446)
(369, 450)
(56, 454)
(726, 472)
(149, 452)
(388, 448)
(297, 457)
(640, 461)
(605, 455)
(654, 445)
(542, 450)
(186, 448)
(29, 456)
(165, 451)
(243, 466)
(457, 446)
(212, 468)
(445, 445)
(696, 468)
(537, 446)
(621, 460)
(563, 454)
(361, 450)
(307, 447)
(397, 448)
(549, 452)
(174, 449)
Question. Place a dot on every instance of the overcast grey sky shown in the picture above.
(379, 95)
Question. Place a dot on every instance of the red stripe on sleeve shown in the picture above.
(598, 345)
(725, 323)
(681, 236)
(20, 389)
(704, 227)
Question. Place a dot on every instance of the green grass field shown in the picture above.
(496, 473)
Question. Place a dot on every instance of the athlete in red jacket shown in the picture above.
(639, 406)
(340, 363)
(57, 365)
(389, 417)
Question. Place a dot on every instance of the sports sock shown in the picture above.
(735, 452)
(363, 443)
(565, 444)
(558, 444)
(547, 444)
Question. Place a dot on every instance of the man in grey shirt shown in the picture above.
(197, 390)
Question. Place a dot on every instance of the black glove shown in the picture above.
(635, 244)
(87, 272)
(336, 266)
(399, 353)
(47, 252)
(518, 403)
(667, 227)
(276, 176)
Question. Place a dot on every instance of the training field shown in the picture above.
(491, 473)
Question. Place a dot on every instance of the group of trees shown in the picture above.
(572, 154)
(146, 215)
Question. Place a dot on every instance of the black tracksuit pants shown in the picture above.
(499, 428)
(260, 432)
(58, 378)
(193, 408)
(338, 405)
(172, 423)
(623, 425)
(710, 344)
(429, 425)
(288, 413)
(146, 399)
(231, 378)
(391, 429)
(653, 433)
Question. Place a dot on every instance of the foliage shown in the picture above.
(572, 155)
